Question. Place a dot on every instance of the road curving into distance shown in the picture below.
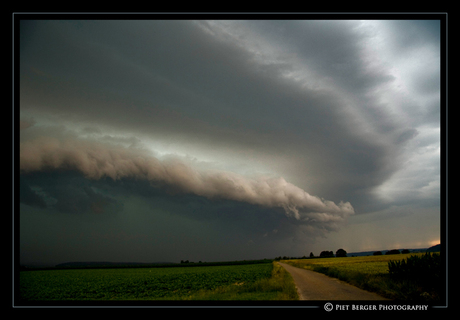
(312, 285)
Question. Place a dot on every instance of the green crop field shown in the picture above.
(174, 283)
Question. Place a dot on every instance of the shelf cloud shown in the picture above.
(95, 160)
(200, 138)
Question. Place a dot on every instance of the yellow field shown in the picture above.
(365, 265)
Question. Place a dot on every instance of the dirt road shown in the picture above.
(316, 286)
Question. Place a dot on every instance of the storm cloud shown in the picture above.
(96, 161)
(294, 130)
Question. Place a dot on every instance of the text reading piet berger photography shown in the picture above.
(375, 307)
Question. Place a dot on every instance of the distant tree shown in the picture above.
(326, 254)
(340, 253)
(405, 251)
(394, 251)
(377, 253)
(311, 255)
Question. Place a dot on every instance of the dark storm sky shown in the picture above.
(162, 140)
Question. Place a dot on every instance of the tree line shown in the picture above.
(393, 251)
(323, 254)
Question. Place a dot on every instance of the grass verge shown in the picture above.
(280, 286)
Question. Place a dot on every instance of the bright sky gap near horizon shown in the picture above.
(214, 140)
